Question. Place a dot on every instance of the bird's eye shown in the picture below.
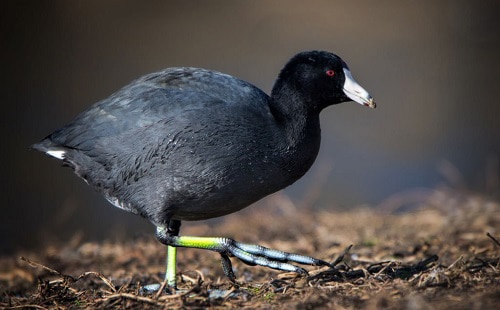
(330, 72)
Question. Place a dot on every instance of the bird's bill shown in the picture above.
(355, 92)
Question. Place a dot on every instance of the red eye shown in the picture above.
(330, 72)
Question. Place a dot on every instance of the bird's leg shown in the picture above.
(171, 266)
(173, 229)
(251, 254)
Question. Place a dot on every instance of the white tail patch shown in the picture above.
(59, 154)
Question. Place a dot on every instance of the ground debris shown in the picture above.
(443, 254)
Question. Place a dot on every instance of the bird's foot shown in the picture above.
(250, 254)
(253, 254)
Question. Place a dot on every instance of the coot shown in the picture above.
(192, 144)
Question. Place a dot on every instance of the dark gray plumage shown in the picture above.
(193, 144)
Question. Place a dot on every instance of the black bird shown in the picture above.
(192, 144)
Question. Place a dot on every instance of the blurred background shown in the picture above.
(432, 67)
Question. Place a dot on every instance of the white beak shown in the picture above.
(355, 92)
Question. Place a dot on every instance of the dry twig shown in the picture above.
(493, 238)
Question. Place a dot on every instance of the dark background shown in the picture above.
(432, 66)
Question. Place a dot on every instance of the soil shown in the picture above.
(441, 253)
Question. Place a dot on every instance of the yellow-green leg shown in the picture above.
(171, 272)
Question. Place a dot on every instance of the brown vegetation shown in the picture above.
(442, 253)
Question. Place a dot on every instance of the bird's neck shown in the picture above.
(299, 124)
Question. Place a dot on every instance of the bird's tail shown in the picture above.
(48, 147)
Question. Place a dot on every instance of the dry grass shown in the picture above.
(436, 255)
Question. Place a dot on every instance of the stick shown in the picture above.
(38, 265)
(341, 256)
(72, 279)
(100, 276)
(493, 238)
(133, 297)
(162, 287)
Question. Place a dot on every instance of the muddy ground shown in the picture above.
(440, 252)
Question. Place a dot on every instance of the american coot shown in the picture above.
(193, 144)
